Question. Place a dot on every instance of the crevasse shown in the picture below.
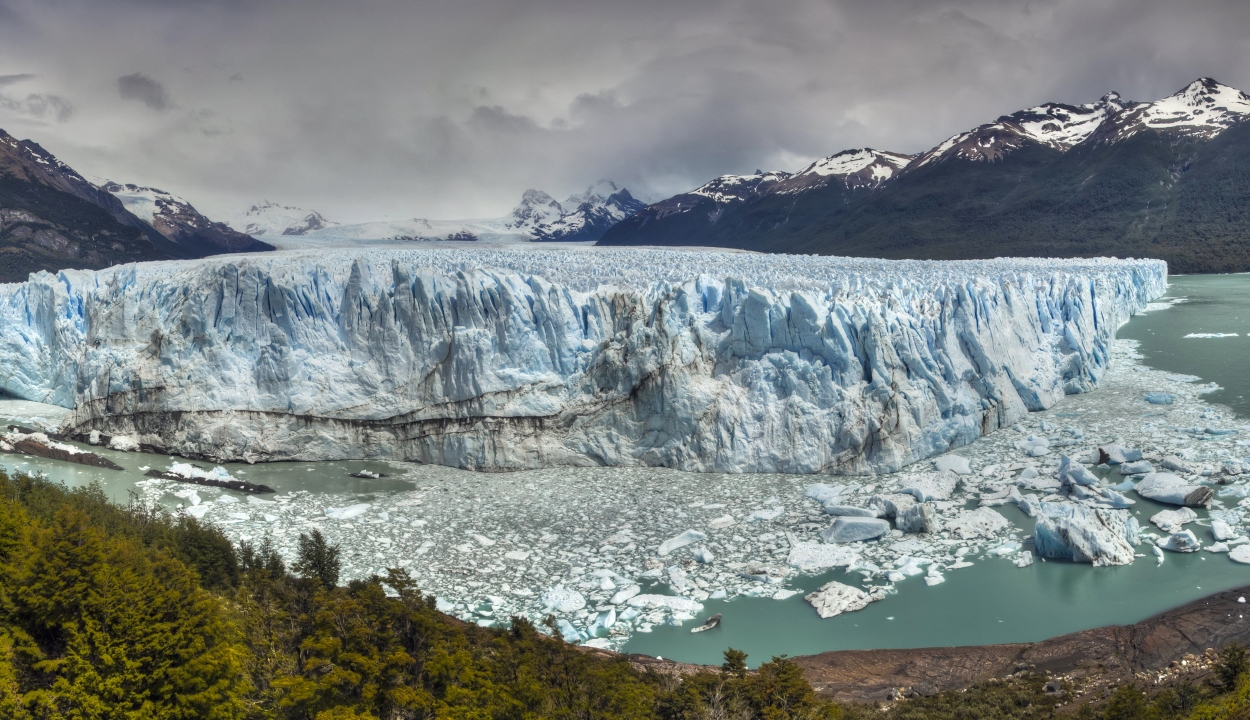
(508, 359)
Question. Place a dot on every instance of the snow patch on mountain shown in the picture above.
(737, 188)
(509, 358)
(1202, 109)
(148, 203)
(270, 218)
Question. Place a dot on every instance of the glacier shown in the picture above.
(509, 359)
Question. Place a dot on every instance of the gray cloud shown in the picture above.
(39, 106)
(450, 108)
(140, 87)
(6, 80)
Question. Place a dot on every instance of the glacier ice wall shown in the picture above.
(505, 359)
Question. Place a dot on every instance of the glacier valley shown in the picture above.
(501, 359)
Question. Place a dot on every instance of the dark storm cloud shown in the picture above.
(450, 108)
(12, 79)
(140, 87)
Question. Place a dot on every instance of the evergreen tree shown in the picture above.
(318, 560)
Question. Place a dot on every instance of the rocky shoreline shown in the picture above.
(1152, 652)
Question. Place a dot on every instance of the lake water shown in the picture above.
(461, 533)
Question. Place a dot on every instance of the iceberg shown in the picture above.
(834, 598)
(1081, 534)
(1168, 488)
(849, 529)
(508, 359)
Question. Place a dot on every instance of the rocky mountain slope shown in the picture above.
(179, 222)
(538, 217)
(270, 218)
(52, 218)
(1165, 179)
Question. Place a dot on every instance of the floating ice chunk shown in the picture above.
(1075, 473)
(1171, 489)
(785, 594)
(123, 443)
(1160, 398)
(227, 499)
(953, 463)
(602, 623)
(1024, 559)
(1172, 521)
(569, 633)
(1034, 446)
(934, 578)
(849, 511)
(834, 598)
(625, 594)
(1184, 541)
(562, 599)
(1116, 454)
(1030, 505)
(765, 515)
(909, 566)
(681, 541)
(854, 529)
(1240, 554)
(1115, 499)
(517, 555)
(1171, 462)
(810, 557)
(1220, 530)
(824, 493)
(889, 506)
(197, 511)
(920, 518)
(347, 513)
(483, 540)
(1210, 335)
(702, 555)
(763, 572)
(1139, 467)
(930, 486)
(668, 602)
(1082, 534)
(981, 522)
(1158, 553)
(1123, 486)
(254, 500)
(1217, 548)
(723, 521)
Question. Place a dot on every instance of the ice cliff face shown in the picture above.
(502, 359)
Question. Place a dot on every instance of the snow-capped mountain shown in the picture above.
(538, 217)
(1111, 176)
(179, 221)
(270, 218)
(51, 218)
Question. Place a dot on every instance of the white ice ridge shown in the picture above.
(505, 359)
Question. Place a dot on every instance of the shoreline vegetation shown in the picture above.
(125, 612)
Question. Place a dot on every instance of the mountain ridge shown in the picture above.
(538, 217)
(1108, 177)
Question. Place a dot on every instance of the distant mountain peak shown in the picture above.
(270, 218)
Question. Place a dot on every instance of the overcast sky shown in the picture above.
(377, 109)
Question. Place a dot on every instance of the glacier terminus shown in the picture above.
(509, 359)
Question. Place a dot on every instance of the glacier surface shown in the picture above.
(509, 359)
